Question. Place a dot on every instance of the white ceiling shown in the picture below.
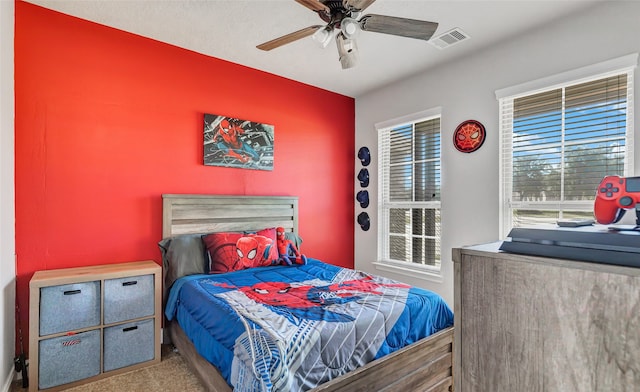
(230, 30)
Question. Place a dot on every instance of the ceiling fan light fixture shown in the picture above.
(323, 36)
(347, 50)
(349, 27)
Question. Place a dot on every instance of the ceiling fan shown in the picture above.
(343, 21)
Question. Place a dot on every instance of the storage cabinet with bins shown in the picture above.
(87, 323)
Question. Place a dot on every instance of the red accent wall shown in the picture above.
(107, 121)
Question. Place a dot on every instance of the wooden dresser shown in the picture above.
(527, 323)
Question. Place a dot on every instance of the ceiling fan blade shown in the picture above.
(285, 39)
(314, 5)
(357, 5)
(403, 27)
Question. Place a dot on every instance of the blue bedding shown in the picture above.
(291, 328)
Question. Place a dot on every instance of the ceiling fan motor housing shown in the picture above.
(336, 12)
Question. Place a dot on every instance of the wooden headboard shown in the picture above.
(186, 214)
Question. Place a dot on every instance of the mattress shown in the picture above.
(291, 328)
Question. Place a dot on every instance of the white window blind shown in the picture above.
(558, 144)
(409, 199)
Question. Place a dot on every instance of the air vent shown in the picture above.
(449, 38)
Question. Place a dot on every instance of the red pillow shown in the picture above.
(235, 251)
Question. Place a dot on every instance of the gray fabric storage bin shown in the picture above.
(135, 291)
(128, 344)
(69, 307)
(67, 359)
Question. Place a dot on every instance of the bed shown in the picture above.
(424, 365)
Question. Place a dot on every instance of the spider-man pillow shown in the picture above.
(232, 251)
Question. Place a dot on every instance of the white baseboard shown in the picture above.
(6, 386)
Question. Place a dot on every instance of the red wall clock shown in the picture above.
(469, 136)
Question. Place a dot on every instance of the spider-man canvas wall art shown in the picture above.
(232, 142)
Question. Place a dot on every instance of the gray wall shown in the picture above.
(465, 89)
(7, 215)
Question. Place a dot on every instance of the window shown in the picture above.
(409, 192)
(558, 144)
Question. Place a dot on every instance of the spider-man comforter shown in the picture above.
(292, 328)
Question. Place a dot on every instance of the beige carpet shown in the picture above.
(171, 374)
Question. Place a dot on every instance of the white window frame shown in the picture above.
(414, 270)
(506, 96)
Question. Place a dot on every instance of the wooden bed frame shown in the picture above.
(426, 365)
